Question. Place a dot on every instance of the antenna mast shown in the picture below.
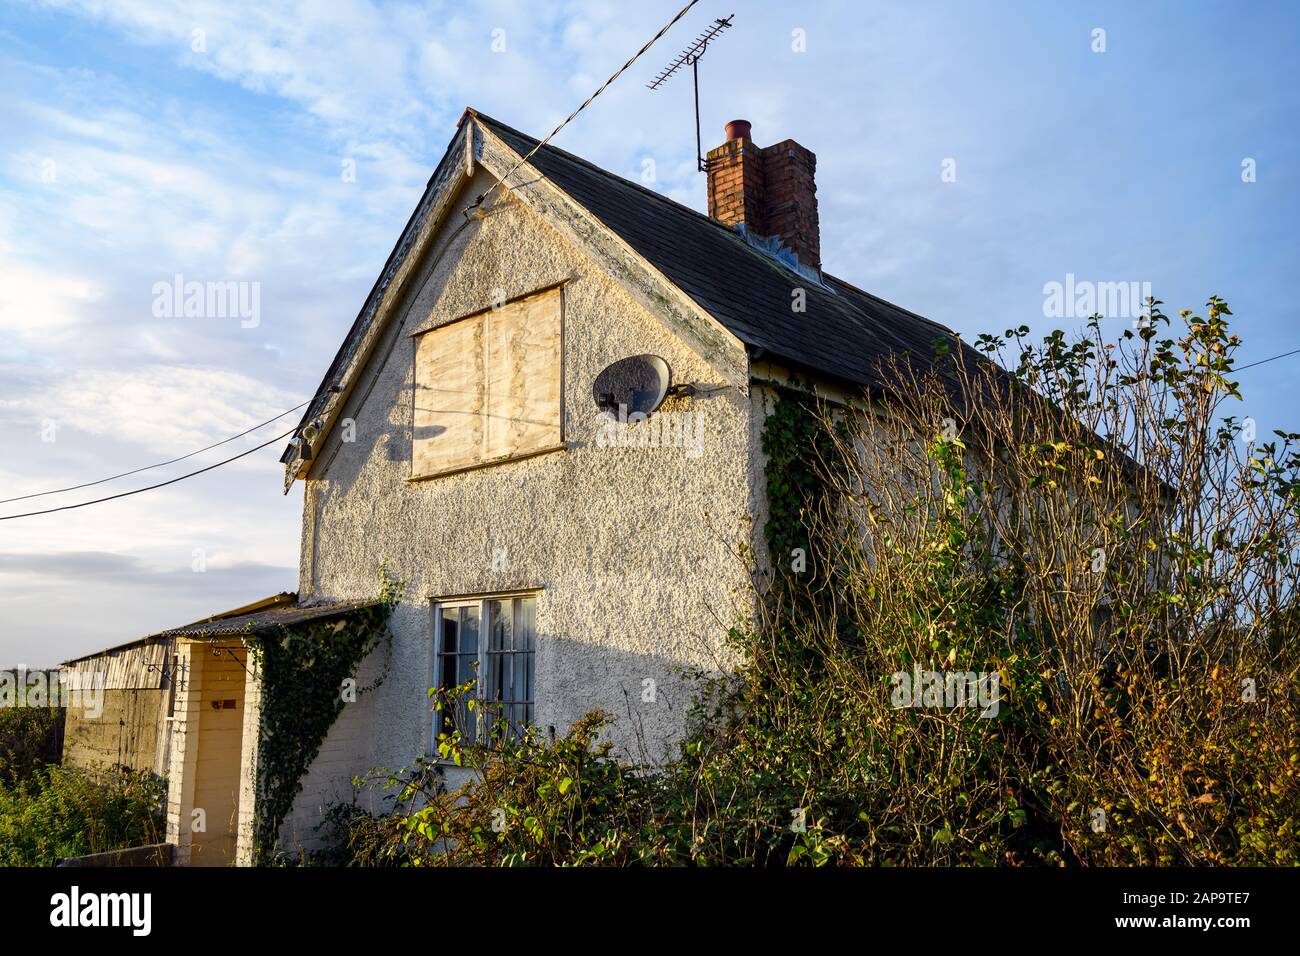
(691, 57)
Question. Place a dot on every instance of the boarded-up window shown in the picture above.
(487, 387)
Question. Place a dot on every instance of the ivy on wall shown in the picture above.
(804, 469)
(802, 457)
(303, 669)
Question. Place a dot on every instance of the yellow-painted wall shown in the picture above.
(217, 767)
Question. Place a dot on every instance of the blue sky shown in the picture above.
(128, 156)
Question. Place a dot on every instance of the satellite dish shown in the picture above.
(638, 383)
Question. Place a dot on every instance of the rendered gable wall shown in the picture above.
(632, 551)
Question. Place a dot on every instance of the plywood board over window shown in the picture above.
(487, 387)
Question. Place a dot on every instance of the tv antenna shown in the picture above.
(691, 57)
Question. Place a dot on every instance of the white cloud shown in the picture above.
(39, 307)
(159, 408)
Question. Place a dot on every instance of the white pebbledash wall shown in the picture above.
(636, 553)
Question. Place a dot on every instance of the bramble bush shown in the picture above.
(62, 812)
(1087, 520)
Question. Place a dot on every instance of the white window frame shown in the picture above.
(481, 602)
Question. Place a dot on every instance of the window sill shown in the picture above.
(411, 479)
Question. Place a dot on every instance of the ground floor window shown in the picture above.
(490, 645)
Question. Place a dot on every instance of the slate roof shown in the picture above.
(844, 333)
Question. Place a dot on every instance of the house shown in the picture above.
(565, 558)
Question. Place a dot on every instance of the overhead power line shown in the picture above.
(1243, 368)
(161, 464)
(585, 103)
(161, 484)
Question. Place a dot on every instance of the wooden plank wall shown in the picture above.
(130, 727)
(488, 386)
(139, 667)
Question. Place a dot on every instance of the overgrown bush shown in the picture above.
(63, 812)
(30, 738)
(1085, 527)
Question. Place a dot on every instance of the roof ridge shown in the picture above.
(605, 172)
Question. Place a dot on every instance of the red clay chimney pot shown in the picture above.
(738, 129)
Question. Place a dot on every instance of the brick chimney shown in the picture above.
(772, 190)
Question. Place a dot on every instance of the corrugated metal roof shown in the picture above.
(115, 649)
(260, 621)
(139, 666)
(279, 610)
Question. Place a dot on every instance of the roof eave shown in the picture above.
(341, 378)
